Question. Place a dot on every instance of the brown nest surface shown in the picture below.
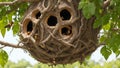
(55, 32)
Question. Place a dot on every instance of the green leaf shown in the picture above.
(102, 39)
(81, 5)
(114, 40)
(97, 23)
(3, 57)
(117, 52)
(107, 26)
(88, 10)
(119, 25)
(3, 22)
(1, 25)
(15, 28)
(106, 52)
(3, 31)
(101, 21)
(114, 44)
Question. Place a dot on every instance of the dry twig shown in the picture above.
(17, 1)
(10, 44)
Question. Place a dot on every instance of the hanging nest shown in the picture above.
(55, 32)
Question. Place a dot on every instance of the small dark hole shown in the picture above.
(38, 15)
(65, 14)
(66, 31)
(29, 26)
(52, 21)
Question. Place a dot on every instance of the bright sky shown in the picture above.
(17, 54)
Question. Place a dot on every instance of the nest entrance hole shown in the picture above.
(65, 14)
(29, 27)
(36, 14)
(66, 31)
(52, 21)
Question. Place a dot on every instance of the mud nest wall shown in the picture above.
(55, 32)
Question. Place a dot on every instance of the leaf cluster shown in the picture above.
(11, 13)
(108, 18)
(86, 64)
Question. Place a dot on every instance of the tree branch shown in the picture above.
(10, 44)
(115, 29)
(8, 3)
(106, 4)
(17, 1)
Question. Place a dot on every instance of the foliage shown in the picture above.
(88, 8)
(106, 52)
(3, 57)
(109, 21)
(10, 14)
(13, 13)
(87, 64)
(107, 18)
(19, 64)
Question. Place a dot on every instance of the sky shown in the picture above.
(17, 54)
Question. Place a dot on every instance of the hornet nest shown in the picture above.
(56, 32)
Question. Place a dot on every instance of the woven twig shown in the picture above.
(57, 32)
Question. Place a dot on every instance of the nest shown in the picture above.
(55, 32)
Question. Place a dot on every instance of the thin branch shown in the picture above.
(8, 3)
(106, 4)
(115, 29)
(2, 47)
(17, 1)
(10, 44)
(13, 9)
